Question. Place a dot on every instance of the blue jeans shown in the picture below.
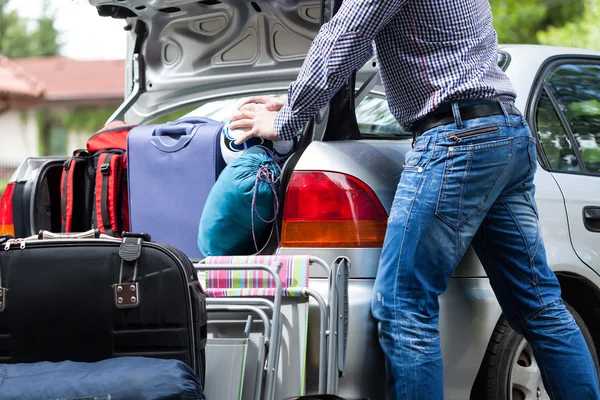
(471, 182)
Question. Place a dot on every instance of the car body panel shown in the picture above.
(582, 191)
(464, 337)
(469, 310)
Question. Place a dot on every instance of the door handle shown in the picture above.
(591, 218)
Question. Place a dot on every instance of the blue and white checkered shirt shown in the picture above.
(428, 51)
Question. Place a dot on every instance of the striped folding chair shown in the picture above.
(272, 285)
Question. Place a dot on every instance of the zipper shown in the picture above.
(459, 136)
(10, 242)
(182, 258)
(188, 267)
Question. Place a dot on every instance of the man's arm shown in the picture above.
(343, 45)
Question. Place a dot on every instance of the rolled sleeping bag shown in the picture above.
(240, 206)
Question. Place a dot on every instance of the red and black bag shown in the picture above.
(94, 184)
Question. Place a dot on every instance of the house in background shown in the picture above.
(52, 105)
(18, 91)
(78, 98)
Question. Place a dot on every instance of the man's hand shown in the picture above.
(257, 119)
(270, 103)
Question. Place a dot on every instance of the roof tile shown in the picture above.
(67, 79)
(15, 82)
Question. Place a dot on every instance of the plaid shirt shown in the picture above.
(428, 51)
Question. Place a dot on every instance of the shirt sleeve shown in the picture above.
(342, 45)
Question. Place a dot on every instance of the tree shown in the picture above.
(573, 23)
(583, 32)
(17, 41)
(518, 21)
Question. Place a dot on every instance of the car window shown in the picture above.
(373, 115)
(221, 110)
(375, 118)
(553, 137)
(576, 88)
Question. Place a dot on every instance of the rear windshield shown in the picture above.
(375, 120)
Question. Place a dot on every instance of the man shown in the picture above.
(468, 180)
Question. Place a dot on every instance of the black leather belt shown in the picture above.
(446, 116)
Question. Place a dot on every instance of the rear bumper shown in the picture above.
(468, 315)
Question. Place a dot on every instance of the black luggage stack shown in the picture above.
(90, 297)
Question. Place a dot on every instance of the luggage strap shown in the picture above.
(108, 185)
(66, 192)
(2, 293)
(127, 294)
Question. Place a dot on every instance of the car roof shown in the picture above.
(545, 51)
(527, 60)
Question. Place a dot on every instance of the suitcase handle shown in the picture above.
(91, 234)
(146, 237)
(162, 136)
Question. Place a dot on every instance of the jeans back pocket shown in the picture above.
(471, 175)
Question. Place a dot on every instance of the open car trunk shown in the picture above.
(183, 52)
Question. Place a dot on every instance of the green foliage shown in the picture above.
(86, 119)
(573, 23)
(43, 119)
(17, 41)
(583, 32)
(518, 21)
(78, 119)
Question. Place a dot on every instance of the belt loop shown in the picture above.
(505, 112)
(456, 113)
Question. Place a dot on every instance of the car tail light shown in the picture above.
(329, 209)
(6, 211)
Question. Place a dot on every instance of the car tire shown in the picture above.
(500, 378)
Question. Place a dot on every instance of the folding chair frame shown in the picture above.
(275, 336)
(331, 359)
(265, 338)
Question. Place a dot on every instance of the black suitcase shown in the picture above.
(89, 297)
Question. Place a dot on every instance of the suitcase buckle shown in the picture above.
(126, 295)
(105, 169)
(2, 298)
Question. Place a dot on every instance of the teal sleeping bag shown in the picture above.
(240, 206)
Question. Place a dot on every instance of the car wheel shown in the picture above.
(509, 370)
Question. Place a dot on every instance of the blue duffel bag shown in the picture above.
(240, 206)
(122, 378)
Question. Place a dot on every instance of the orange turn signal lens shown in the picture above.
(340, 234)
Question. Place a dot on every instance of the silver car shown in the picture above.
(210, 54)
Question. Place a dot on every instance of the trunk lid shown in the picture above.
(182, 51)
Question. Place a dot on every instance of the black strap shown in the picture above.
(444, 115)
(105, 171)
